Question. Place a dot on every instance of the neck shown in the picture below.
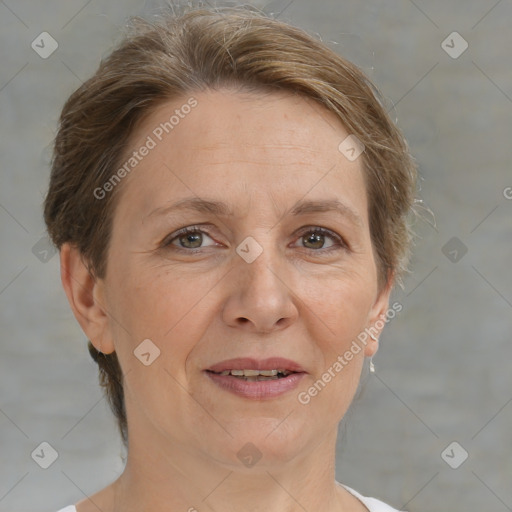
(177, 478)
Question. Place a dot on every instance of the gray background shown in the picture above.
(443, 371)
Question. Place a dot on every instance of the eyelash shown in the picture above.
(339, 242)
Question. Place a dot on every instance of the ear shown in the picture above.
(377, 317)
(86, 298)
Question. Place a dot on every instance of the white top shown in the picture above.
(372, 504)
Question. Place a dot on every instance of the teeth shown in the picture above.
(250, 373)
(255, 373)
(261, 377)
(268, 373)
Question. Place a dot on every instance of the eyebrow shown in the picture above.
(219, 208)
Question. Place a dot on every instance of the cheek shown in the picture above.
(168, 310)
(338, 313)
(166, 307)
(341, 305)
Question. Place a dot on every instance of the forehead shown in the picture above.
(268, 120)
(277, 142)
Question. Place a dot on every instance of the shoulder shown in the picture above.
(372, 504)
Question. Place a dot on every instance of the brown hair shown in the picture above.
(212, 48)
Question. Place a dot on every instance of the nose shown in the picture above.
(261, 299)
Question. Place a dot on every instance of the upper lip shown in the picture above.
(248, 363)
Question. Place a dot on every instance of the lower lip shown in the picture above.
(257, 390)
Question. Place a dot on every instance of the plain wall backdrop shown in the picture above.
(443, 369)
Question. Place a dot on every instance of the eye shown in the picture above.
(189, 238)
(315, 238)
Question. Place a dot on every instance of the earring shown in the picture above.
(372, 366)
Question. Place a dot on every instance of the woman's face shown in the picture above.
(256, 278)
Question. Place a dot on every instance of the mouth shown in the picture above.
(250, 367)
(257, 379)
(256, 375)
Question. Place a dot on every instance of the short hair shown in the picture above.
(207, 49)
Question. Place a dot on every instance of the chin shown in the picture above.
(264, 442)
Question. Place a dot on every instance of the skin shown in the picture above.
(260, 154)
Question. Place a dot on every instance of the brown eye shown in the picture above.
(315, 239)
(188, 238)
(194, 239)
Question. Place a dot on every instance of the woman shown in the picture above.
(230, 202)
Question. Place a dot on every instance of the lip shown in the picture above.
(257, 390)
(248, 363)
